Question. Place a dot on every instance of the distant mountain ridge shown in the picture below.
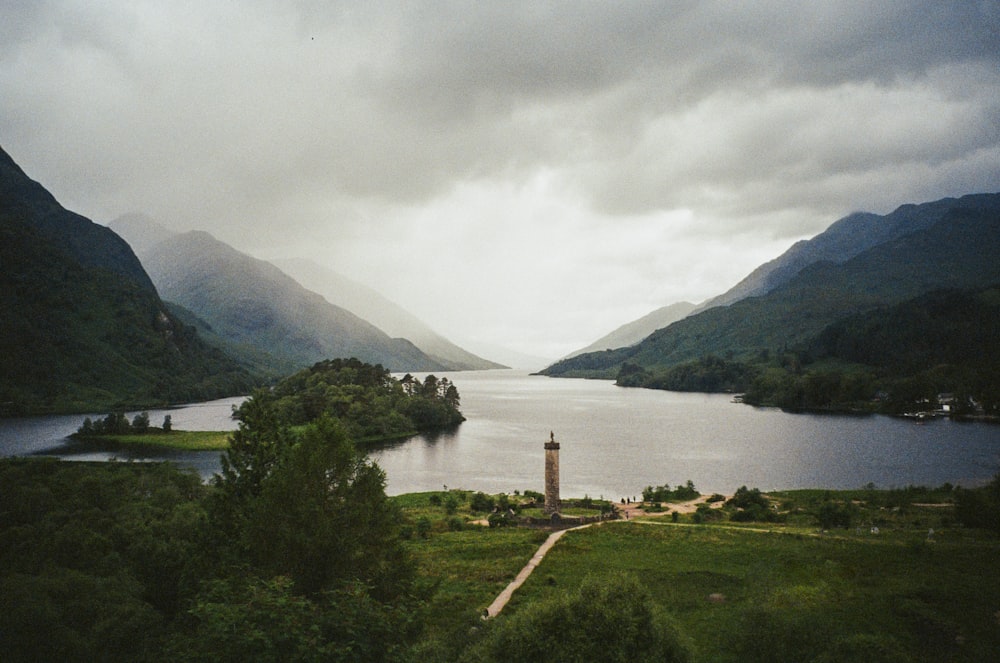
(81, 325)
(633, 332)
(845, 239)
(144, 234)
(955, 245)
(248, 301)
(370, 305)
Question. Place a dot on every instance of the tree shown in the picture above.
(247, 619)
(451, 396)
(611, 619)
(167, 423)
(140, 423)
(254, 449)
(323, 518)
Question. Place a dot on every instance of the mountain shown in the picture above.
(249, 302)
(81, 325)
(141, 232)
(845, 239)
(370, 305)
(635, 331)
(958, 250)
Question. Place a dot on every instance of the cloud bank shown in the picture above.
(531, 174)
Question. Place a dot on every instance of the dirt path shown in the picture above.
(501, 600)
(629, 511)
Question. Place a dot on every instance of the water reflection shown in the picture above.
(614, 442)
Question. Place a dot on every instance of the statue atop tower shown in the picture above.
(551, 475)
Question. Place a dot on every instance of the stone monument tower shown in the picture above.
(552, 475)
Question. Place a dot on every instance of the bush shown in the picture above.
(665, 494)
(534, 495)
(756, 513)
(499, 519)
(612, 619)
(706, 514)
(745, 497)
(481, 502)
(833, 514)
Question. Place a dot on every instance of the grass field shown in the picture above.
(753, 591)
(186, 440)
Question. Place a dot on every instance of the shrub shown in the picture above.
(499, 519)
(612, 619)
(481, 502)
(665, 494)
(756, 513)
(833, 514)
(745, 497)
(533, 495)
(705, 514)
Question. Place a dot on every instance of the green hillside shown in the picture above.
(888, 330)
(81, 326)
(250, 303)
(959, 251)
(942, 342)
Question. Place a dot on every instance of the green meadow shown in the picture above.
(746, 591)
(186, 440)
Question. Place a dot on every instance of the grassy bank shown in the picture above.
(185, 440)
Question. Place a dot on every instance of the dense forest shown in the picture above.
(365, 398)
(292, 553)
(894, 359)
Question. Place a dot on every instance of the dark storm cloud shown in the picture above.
(393, 128)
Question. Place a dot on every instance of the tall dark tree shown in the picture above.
(323, 518)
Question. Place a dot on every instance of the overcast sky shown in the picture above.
(526, 174)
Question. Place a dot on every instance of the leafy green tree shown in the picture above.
(613, 619)
(320, 515)
(248, 619)
(255, 449)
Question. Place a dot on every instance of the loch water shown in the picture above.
(614, 442)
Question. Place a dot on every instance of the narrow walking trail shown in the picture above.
(503, 597)
(629, 510)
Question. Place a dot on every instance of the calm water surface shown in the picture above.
(614, 442)
(49, 436)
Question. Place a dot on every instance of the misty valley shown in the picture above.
(829, 425)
